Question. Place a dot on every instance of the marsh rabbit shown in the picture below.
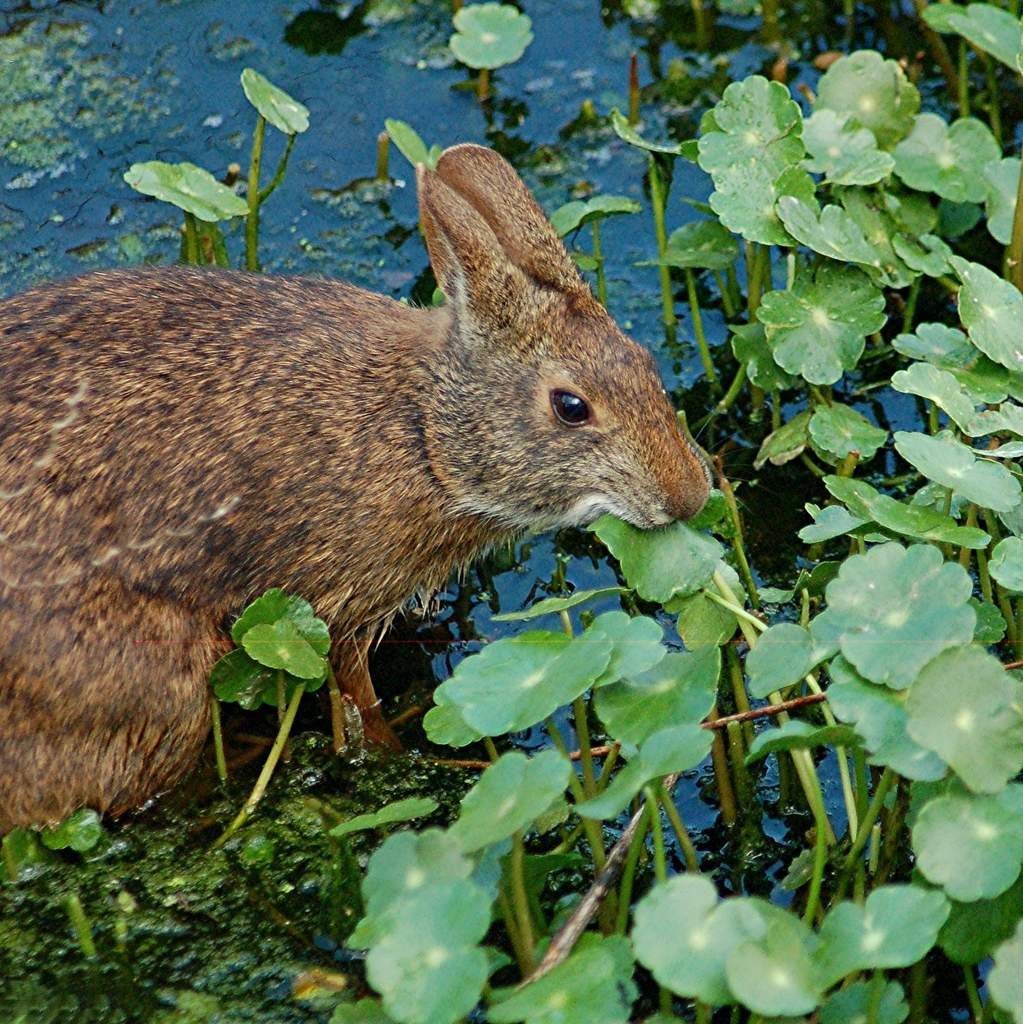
(174, 441)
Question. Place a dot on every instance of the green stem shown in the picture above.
(483, 85)
(629, 873)
(383, 157)
(218, 739)
(523, 958)
(860, 842)
(738, 544)
(598, 255)
(681, 832)
(963, 80)
(820, 860)
(268, 768)
(1015, 256)
(734, 390)
(701, 337)
(520, 898)
(994, 109)
(582, 731)
(658, 201)
(282, 167)
(80, 924)
(972, 995)
(700, 17)
(591, 827)
(660, 867)
(191, 240)
(726, 295)
(252, 196)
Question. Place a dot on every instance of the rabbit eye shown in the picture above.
(570, 409)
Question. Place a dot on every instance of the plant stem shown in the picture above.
(598, 255)
(582, 731)
(1015, 256)
(726, 296)
(383, 157)
(658, 202)
(972, 995)
(80, 923)
(994, 103)
(520, 899)
(268, 768)
(660, 868)
(681, 832)
(884, 784)
(282, 167)
(191, 240)
(252, 196)
(964, 80)
(633, 89)
(218, 739)
(523, 958)
(738, 544)
(591, 827)
(698, 332)
(337, 712)
(734, 390)
(483, 85)
(629, 873)
(723, 780)
(820, 859)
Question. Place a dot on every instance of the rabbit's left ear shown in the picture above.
(490, 185)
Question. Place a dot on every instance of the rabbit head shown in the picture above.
(545, 413)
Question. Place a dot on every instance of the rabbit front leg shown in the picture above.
(355, 682)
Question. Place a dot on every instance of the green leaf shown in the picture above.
(554, 605)
(881, 718)
(1002, 180)
(518, 681)
(490, 35)
(831, 232)
(973, 930)
(828, 522)
(660, 564)
(240, 680)
(275, 105)
(680, 689)
(944, 346)
(365, 1011)
(675, 749)
(839, 431)
(927, 254)
(80, 832)
(400, 810)
(940, 387)
(445, 726)
(966, 708)
(845, 155)
(971, 845)
(628, 134)
(749, 344)
(281, 646)
(873, 93)
(786, 443)
(409, 144)
(636, 643)
(684, 935)
(572, 216)
(894, 609)
(703, 622)
(895, 928)
(752, 155)
(593, 985)
(852, 1005)
(1005, 982)
(990, 628)
(799, 735)
(701, 243)
(878, 217)
(952, 464)
(947, 160)
(991, 310)
(817, 329)
(187, 187)
(510, 795)
(276, 604)
(1006, 564)
(914, 521)
(781, 657)
(987, 27)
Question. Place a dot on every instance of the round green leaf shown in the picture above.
(843, 154)
(574, 215)
(187, 187)
(518, 681)
(679, 689)
(952, 464)
(915, 521)
(628, 134)
(490, 35)
(781, 657)
(409, 144)
(593, 985)
(749, 344)
(974, 929)
(510, 795)
(989, 28)
(852, 1005)
(444, 724)
(660, 564)
(365, 1011)
(1006, 564)
(965, 707)
(894, 609)
(80, 832)
(947, 160)
(702, 243)
(281, 646)
(675, 749)
(895, 928)
(991, 310)
(240, 680)
(872, 93)
(1002, 180)
(839, 431)
(752, 155)
(284, 113)
(828, 522)
(400, 810)
(276, 604)
(786, 443)
(971, 845)
(817, 330)
(881, 718)
(1005, 982)
(831, 232)
(940, 387)
(799, 735)
(636, 644)
(554, 605)
(683, 935)
(703, 622)
(944, 346)
(927, 254)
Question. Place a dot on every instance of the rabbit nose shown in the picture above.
(691, 488)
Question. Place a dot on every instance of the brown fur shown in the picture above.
(175, 441)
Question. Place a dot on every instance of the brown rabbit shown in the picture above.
(175, 441)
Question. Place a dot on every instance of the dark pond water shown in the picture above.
(86, 89)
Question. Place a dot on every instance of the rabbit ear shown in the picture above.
(468, 260)
(490, 185)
